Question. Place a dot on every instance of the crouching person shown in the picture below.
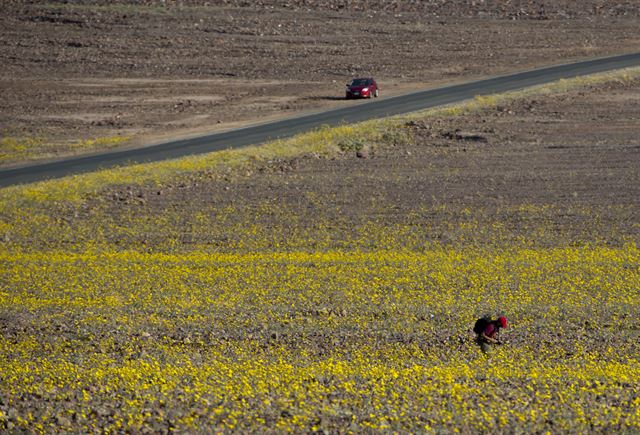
(487, 332)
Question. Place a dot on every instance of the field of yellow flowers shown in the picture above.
(338, 293)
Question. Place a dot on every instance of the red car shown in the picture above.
(362, 88)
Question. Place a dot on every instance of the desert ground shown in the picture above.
(83, 76)
(328, 288)
(336, 292)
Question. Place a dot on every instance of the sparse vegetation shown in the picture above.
(24, 149)
(13, 148)
(238, 292)
(351, 144)
(324, 141)
(74, 70)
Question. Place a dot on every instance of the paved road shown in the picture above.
(288, 127)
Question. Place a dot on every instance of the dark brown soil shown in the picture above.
(546, 171)
(152, 70)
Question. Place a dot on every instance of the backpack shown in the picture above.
(481, 324)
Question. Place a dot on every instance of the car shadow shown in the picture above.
(324, 98)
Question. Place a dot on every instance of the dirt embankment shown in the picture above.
(76, 71)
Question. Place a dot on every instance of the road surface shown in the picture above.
(288, 127)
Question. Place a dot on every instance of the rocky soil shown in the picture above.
(75, 71)
(549, 170)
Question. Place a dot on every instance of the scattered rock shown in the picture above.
(464, 136)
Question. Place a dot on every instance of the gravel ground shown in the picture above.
(146, 71)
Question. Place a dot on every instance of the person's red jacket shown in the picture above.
(491, 330)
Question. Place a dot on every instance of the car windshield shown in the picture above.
(359, 82)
